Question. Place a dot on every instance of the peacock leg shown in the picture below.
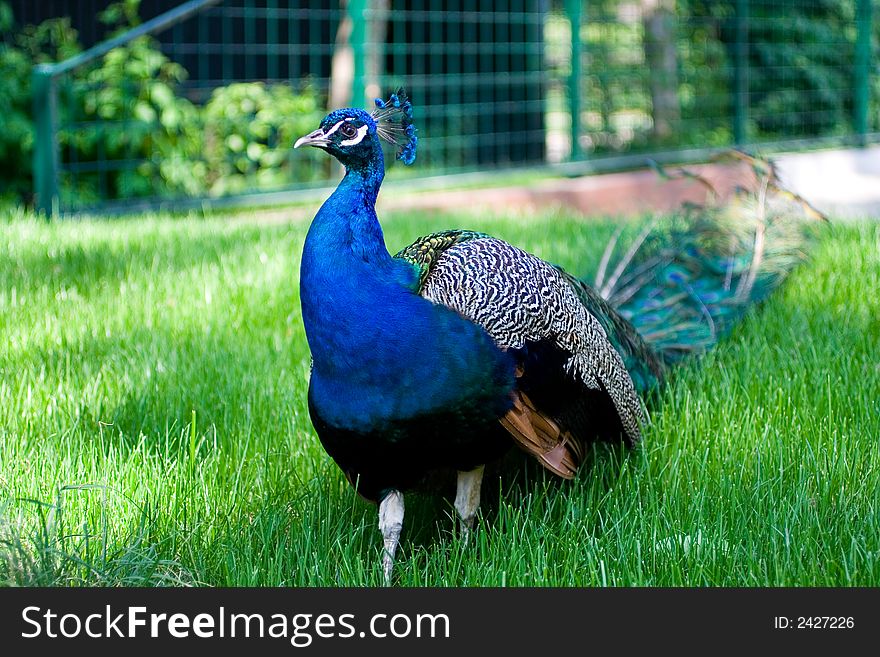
(390, 524)
(467, 497)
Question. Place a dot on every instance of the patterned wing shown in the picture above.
(518, 298)
(646, 368)
(425, 251)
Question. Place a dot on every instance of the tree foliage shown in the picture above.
(52, 40)
(800, 62)
(128, 111)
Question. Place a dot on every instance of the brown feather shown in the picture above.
(542, 437)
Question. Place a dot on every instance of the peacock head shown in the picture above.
(352, 135)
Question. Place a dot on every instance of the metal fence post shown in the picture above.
(741, 73)
(45, 139)
(862, 70)
(357, 9)
(573, 9)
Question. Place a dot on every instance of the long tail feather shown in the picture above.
(683, 283)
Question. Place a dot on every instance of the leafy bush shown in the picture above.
(130, 100)
(803, 60)
(800, 59)
(249, 129)
(126, 111)
(53, 40)
(239, 140)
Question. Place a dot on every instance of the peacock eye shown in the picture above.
(348, 130)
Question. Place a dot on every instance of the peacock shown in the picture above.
(447, 354)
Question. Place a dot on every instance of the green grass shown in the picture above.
(153, 428)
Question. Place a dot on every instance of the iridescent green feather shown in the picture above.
(683, 282)
(644, 364)
(423, 253)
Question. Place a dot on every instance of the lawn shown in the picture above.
(153, 427)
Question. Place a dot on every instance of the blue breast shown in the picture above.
(382, 354)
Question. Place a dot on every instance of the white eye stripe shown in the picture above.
(358, 138)
(334, 128)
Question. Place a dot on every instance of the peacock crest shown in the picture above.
(394, 124)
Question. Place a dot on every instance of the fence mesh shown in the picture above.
(210, 106)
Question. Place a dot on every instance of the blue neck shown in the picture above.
(347, 276)
(346, 232)
(365, 178)
(379, 350)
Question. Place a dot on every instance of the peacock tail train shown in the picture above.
(684, 282)
(679, 285)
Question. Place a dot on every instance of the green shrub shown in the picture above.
(52, 40)
(800, 63)
(126, 109)
(136, 115)
(249, 129)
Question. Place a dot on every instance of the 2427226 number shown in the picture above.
(814, 623)
(825, 622)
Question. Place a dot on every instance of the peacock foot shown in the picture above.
(390, 524)
(467, 498)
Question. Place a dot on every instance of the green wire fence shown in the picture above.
(204, 101)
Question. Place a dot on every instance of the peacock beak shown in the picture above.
(315, 138)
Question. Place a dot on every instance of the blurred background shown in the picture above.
(133, 104)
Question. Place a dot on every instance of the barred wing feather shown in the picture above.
(520, 299)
